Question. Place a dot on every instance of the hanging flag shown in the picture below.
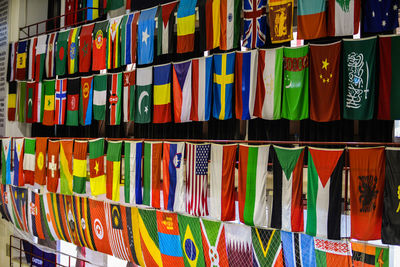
(267, 247)
(254, 23)
(380, 16)
(61, 101)
(29, 101)
(95, 7)
(214, 244)
(73, 88)
(71, 223)
(343, 17)
(133, 172)
(86, 101)
(31, 58)
(18, 162)
(253, 164)
(149, 237)
(144, 80)
(132, 232)
(182, 92)
(162, 94)
(281, 20)
(59, 206)
(79, 171)
(35, 225)
(100, 34)
(48, 109)
(170, 241)
(311, 19)
(85, 47)
(29, 160)
(40, 166)
(50, 55)
(12, 100)
(61, 52)
(202, 82)
(129, 95)
(146, 27)
(73, 50)
(69, 12)
(213, 24)
(186, 24)
(324, 82)
(332, 253)
(128, 29)
(113, 173)
(230, 24)
(152, 174)
(298, 249)
(368, 255)
(113, 40)
(113, 5)
(38, 106)
(359, 78)
(99, 97)
(66, 177)
(4, 203)
(367, 179)
(53, 169)
(238, 245)
(83, 225)
(22, 56)
(40, 57)
(389, 51)
(222, 182)
(19, 201)
(96, 167)
(114, 96)
(268, 99)
(287, 208)
(295, 83)
(245, 83)
(173, 176)
(12, 61)
(165, 28)
(223, 85)
(196, 179)
(324, 192)
(21, 101)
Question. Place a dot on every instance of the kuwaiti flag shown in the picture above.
(343, 17)
(146, 36)
(133, 172)
(222, 182)
(245, 83)
(253, 165)
(152, 174)
(324, 192)
(165, 28)
(40, 57)
(61, 101)
(31, 58)
(18, 162)
(202, 82)
(269, 84)
(162, 94)
(182, 83)
(50, 55)
(287, 208)
(173, 176)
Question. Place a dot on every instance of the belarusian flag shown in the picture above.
(18, 162)
(66, 177)
(133, 172)
(165, 28)
(152, 174)
(86, 101)
(40, 167)
(287, 208)
(99, 97)
(53, 168)
(343, 17)
(73, 86)
(222, 182)
(99, 45)
(113, 170)
(61, 52)
(332, 253)
(29, 160)
(114, 96)
(253, 165)
(128, 30)
(38, 103)
(144, 79)
(29, 101)
(48, 109)
(268, 99)
(96, 165)
(230, 24)
(113, 42)
(324, 192)
(6, 160)
(79, 171)
(129, 95)
(73, 50)
(40, 57)
(50, 56)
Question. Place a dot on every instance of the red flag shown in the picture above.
(61, 101)
(40, 167)
(85, 48)
(53, 171)
(69, 9)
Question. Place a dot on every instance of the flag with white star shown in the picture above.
(380, 15)
(145, 33)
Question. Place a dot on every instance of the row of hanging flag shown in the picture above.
(149, 237)
(184, 186)
(291, 83)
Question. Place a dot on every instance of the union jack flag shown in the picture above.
(61, 101)
(255, 23)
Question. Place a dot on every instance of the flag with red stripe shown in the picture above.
(61, 101)
(114, 97)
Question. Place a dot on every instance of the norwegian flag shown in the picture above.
(61, 101)
(255, 23)
(196, 177)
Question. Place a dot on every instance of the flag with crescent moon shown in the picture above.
(144, 79)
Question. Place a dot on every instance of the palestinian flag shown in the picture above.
(29, 101)
(129, 96)
(287, 209)
(73, 50)
(267, 247)
(99, 45)
(53, 168)
(12, 100)
(114, 96)
(86, 101)
(66, 177)
(82, 214)
(332, 253)
(29, 160)
(324, 192)
(6, 160)
(35, 225)
(133, 172)
(61, 52)
(214, 245)
(252, 184)
(149, 237)
(79, 171)
(98, 222)
(40, 167)
(49, 105)
(152, 174)
(364, 255)
(96, 164)
(113, 170)
(73, 86)
(238, 244)
(165, 28)
(99, 97)
(131, 231)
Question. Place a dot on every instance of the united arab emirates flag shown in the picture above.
(324, 192)
(114, 97)
(287, 209)
(144, 80)
(99, 97)
(96, 165)
(48, 109)
(79, 172)
(61, 52)
(113, 170)
(73, 88)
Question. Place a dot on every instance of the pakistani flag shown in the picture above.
(99, 97)
(144, 79)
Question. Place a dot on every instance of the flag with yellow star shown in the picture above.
(324, 82)
(48, 107)
(96, 164)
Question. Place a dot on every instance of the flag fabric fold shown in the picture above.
(152, 174)
(113, 173)
(133, 172)
(146, 27)
(86, 101)
(53, 168)
(96, 167)
(311, 19)
(202, 83)
(129, 95)
(281, 20)
(343, 17)
(73, 88)
(114, 99)
(186, 23)
(254, 23)
(128, 29)
(182, 93)
(99, 97)
(162, 94)
(143, 97)
(40, 166)
(66, 177)
(79, 163)
(99, 47)
(85, 47)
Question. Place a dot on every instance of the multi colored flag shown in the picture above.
(182, 93)
(254, 23)
(61, 52)
(144, 80)
(85, 47)
(298, 249)
(73, 50)
(61, 101)
(162, 94)
(114, 97)
(96, 167)
(29, 101)
(281, 20)
(239, 246)
(73, 88)
(133, 172)
(213, 24)
(152, 174)
(113, 173)
(332, 253)
(40, 57)
(86, 101)
(186, 23)
(50, 55)
(49, 105)
(31, 58)
(22, 56)
(66, 176)
(214, 244)
(365, 255)
(29, 160)
(230, 24)
(40, 166)
(53, 168)
(131, 215)
(35, 225)
(38, 102)
(99, 47)
(165, 28)
(18, 162)
(12, 100)
(12, 61)
(113, 43)
(79, 171)
(128, 29)
(146, 26)
(343, 17)
(99, 97)
(311, 19)
(380, 16)
(267, 247)
(129, 95)
(21, 101)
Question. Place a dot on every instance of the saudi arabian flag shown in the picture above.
(99, 97)
(295, 83)
(253, 164)
(61, 52)
(113, 170)
(144, 79)
(324, 192)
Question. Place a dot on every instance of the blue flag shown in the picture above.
(380, 16)
(298, 249)
(146, 36)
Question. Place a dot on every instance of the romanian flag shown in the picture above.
(162, 94)
(186, 20)
(73, 50)
(113, 170)
(48, 109)
(79, 170)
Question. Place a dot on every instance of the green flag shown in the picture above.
(61, 52)
(295, 83)
(99, 97)
(21, 95)
(359, 78)
(267, 247)
(144, 79)
(149, 237)
(114, 4)
(113, 173)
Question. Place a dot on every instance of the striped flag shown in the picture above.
(50, 55)
(113, 41)
(18, 162)
(186, 24)
(48, 107)
(66, 177)
(133, 172)
(86, 101)
(61, 101)
(73, 88)
(21, 101)
(128, 38)
(12, 100)
(298, 249)
(152, 174)
(29, 160)
(165, 27)
(73, 50)
(38, 102)
(130, 216)
(113, 174)
(114, 97)
(29, 101)
(230, 24)
(162, 94)
(129, 95)
(22, 56)
(40, 57)
(82, 215)
(99, 97)
(196, 179)
(182, 93)
(213, 24)
(343, 17)
(79, 171)
(31, 58)
(35, 225)
(96, 166)
(12, 61)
